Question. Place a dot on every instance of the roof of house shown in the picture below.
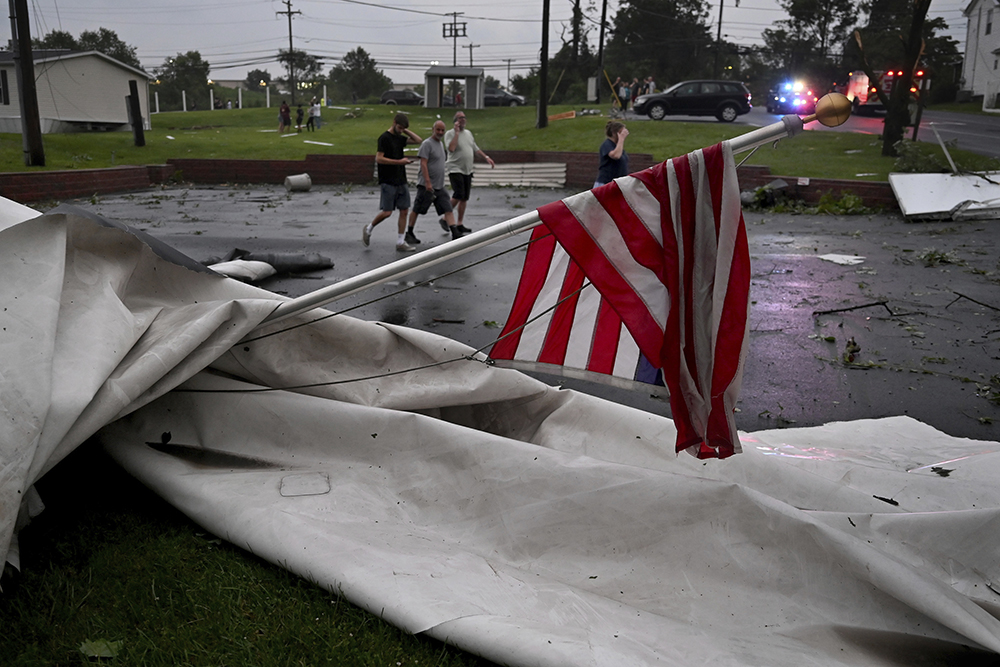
(50, 55)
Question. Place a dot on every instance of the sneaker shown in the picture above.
(456, 232)
(405, 247)
(411, 238)
(366, 235)
(465, 230)
(444, 224)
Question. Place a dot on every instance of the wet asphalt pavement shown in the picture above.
(923, 307)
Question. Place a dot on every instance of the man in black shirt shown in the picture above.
(392, 179)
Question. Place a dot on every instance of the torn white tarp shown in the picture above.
(947, 196)
(526, 524)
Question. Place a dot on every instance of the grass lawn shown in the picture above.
(252, 134)
(110, 565)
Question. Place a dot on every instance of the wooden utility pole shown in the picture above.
(600, 50)
(543, 71)
(470, 47)
(291, 52)
(454, 30)
(24, 66)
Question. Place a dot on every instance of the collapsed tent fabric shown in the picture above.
(531, 525)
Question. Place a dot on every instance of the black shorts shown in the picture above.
(425, 197)
(461, 185)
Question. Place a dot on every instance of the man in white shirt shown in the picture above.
(462, 149)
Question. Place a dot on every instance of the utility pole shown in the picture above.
(454, 30)
(291, 52)
(508, 61)
(543, 71)
(718, 38)
(600, 50)
(24, 67)
(470, 47)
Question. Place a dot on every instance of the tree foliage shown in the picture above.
(103, 40)
(305, 70)
(358, 77)
(807, 43)
(255, 76)
(185, 72)
(667, 39)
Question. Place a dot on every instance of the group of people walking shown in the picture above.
(285, 117)
(450, 153)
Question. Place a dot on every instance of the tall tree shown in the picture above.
(913, 49)
(185, 72)
(357, 77)
(305, 70)
(808, 42)
(883, 37)
(668, 39)
(103, 40)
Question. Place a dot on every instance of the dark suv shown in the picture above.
(723, 99)
(494, 97)
(402, 97)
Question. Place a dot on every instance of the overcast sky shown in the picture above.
(404, 37)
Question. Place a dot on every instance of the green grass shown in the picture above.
(251, 134)
(110, 561)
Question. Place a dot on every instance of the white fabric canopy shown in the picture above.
(527, 524)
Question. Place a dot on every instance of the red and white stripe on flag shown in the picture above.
(666, 250)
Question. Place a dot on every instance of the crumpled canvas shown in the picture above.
(530, 525)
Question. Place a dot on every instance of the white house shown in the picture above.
(981, 70)
(77, 91)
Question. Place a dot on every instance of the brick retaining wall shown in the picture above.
(581, 169)
(26, 187)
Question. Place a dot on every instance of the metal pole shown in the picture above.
(788, 126)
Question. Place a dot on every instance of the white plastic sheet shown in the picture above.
(530, 525)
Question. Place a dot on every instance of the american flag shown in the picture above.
(645, 279)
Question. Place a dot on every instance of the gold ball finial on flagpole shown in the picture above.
(832, 109)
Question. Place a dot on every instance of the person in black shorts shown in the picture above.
(392, 179)
(462, 151)
(430, 184)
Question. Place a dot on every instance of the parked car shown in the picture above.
(791, 97)
(494, 97)
(726, 100)
(402, 97)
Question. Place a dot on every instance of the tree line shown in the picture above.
(821, 41)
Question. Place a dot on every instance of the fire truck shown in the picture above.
(864, 94)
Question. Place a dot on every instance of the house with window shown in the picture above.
(77, 92)
(981, 70)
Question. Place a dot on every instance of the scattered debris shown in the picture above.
(843, 260)
(851, 350)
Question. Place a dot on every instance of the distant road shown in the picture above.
(975, 133)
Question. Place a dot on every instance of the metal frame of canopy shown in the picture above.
(788, 126)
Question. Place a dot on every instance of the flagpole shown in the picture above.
(831, 114)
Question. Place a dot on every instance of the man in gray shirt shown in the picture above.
(430, 184)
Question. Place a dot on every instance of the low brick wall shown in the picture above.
(26, 187)
(581, 169)
(876, 194)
